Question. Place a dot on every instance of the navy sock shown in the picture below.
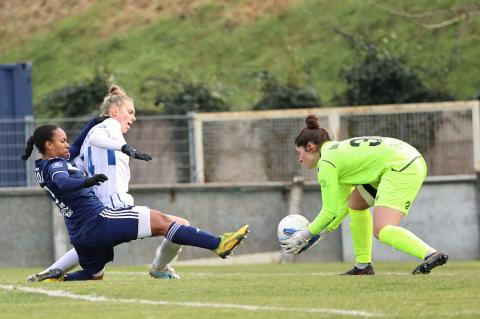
(191, 236)
(78, 276)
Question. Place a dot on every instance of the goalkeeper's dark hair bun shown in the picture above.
(312, 122)
(312, 133)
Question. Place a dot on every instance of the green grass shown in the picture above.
(273, 291)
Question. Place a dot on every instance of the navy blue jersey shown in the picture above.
(63, 183)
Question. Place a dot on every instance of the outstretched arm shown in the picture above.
(328, 179)
(65, 183)
(58, 172)
(334, 210)
(101, 138)
(77, 144)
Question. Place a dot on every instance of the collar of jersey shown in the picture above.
(322, 149)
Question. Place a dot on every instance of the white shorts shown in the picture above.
(144, 229)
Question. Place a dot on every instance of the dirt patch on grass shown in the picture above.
(20, 18)
(28, 15)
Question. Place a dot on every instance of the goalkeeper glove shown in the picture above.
(130, 151)
(312, 242)
(94, 180)
(297, 242)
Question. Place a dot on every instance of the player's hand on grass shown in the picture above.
(130, 151)
(95, 180)
(297, 242)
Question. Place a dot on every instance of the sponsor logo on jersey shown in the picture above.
(57, 165)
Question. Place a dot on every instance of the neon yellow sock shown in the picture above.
(361, 226)
(405, 241)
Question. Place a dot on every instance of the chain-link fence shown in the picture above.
(259, 146)
(165, 138)
(445, 138)
(13, 171)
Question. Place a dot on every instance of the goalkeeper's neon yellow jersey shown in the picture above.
(356, 161)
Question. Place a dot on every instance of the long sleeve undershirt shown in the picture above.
(65, 183)
(101, 138)
(77, 144)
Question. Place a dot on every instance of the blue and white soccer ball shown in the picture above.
(291, 224)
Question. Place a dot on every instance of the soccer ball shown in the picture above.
(291, 224)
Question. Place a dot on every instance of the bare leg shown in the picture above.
(386, 229)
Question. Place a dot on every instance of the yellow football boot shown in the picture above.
(229, 241)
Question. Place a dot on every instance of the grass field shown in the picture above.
(255, 291)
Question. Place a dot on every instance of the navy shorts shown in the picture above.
(94, 243)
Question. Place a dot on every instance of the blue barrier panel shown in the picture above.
(15, 106)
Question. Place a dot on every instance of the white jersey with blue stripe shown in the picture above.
(113, 163)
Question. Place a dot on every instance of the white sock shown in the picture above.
(165, 254)
(67, 262)
(361, 265)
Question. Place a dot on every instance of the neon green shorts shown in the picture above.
(399, 188)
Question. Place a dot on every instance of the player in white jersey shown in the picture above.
(105, 151)
(97, 155)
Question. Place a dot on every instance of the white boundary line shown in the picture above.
(340, 312)
(96, 298)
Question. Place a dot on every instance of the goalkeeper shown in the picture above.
(387, 173)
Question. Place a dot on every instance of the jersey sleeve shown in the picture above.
(58, 171)
(103, 136)
(77, 144)
(344, 192)
(334, 197)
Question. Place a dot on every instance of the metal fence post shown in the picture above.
(294, 207)
(334, 125)
(191, 147)
(476, 136)
(476, 152)
(195, 138)
(199, 156)
(30, 163)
